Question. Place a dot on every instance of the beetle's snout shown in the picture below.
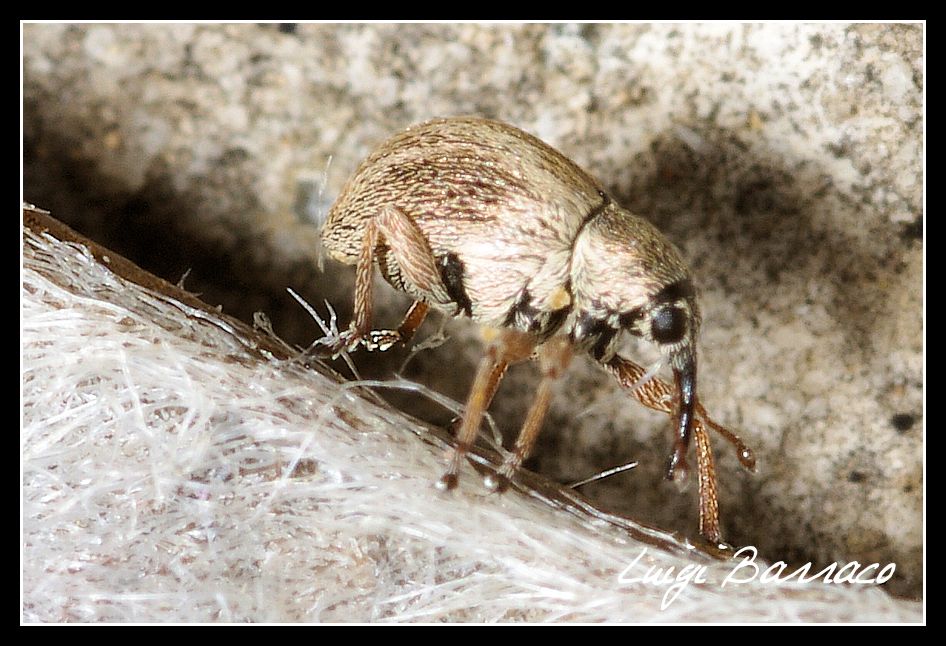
(684, 373)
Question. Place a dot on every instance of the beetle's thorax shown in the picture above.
(622, 268)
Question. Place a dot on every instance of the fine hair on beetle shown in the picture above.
(479, 219)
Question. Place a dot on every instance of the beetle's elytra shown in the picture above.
(480, 219)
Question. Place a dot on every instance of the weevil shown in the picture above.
(477, 218)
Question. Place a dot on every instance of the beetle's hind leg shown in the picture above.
(391, 230)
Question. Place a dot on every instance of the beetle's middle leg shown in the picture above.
(507, 348)
(554, 357)
(392, 230)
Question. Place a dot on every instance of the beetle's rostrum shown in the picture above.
(480, 219)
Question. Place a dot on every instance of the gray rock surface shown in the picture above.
(784, 159)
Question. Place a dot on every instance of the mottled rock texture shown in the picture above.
(785, 160)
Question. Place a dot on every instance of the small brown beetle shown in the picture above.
(479, 218)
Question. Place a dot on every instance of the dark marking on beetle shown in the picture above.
(555, 320)
(630, 318)
(602, 342)
(451, 271)
(522, 314)
(528, 318)
(593, 333)
(682, 289)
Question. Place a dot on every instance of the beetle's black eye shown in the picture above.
(668, 324)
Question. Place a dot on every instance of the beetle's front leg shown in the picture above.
(658, 395)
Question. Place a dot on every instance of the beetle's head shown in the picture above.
(627, 276)
(671, 321)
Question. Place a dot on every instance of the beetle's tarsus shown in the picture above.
(333, 345)
(380, 340)
(374, 340)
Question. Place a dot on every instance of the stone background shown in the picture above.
(785, 160)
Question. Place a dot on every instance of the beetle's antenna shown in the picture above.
(743, 452)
